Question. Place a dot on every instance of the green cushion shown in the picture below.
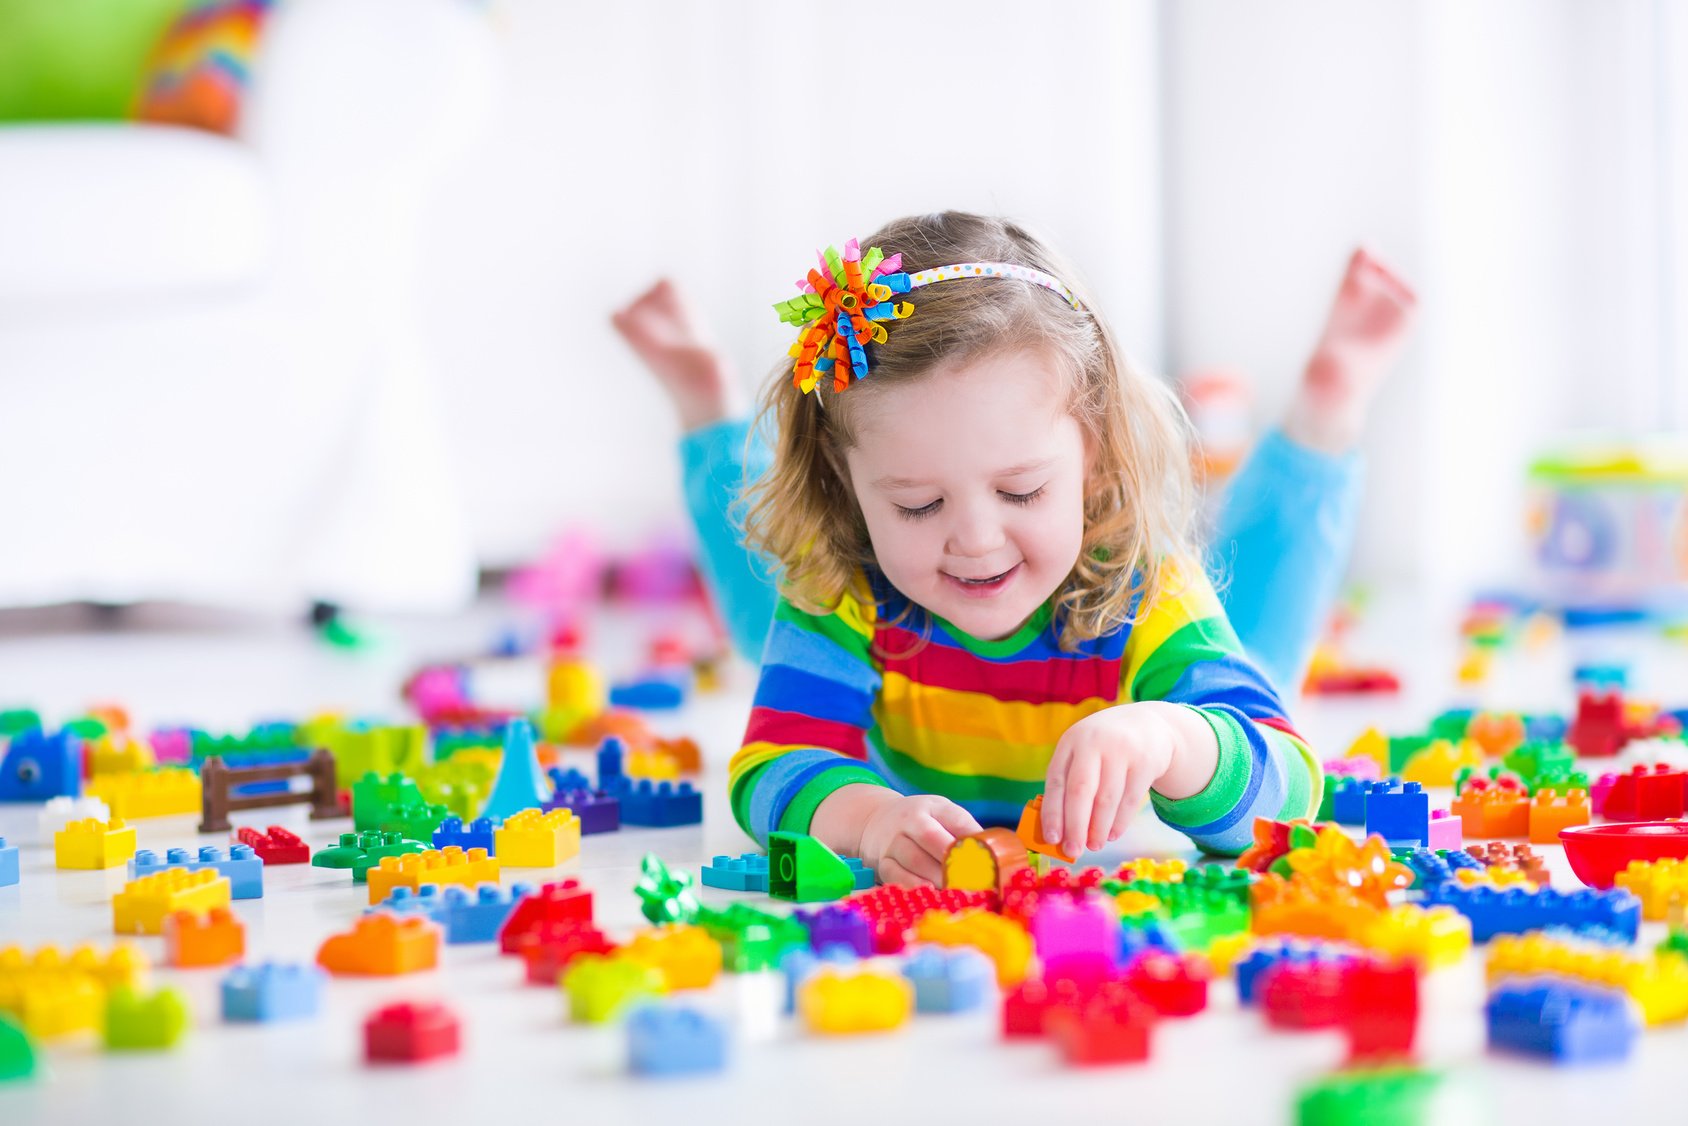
(77, 60)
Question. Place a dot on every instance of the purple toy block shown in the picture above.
(598, 812)
(834, 925)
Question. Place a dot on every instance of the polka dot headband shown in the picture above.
(846, 302)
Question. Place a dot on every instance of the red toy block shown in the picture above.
(1111, 1027)
(277, 846)
(1646, 793)
(410, 1033)
(1173, 986)
(550, 947)
(892, 910)
(213, 939)
(1598, 731)
(563, 902)
(1027, 889)
(1381, 1011)
(1304, 994)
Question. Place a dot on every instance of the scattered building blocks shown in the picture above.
(1030, 832)
(161, 793)
(1432, 938)
(1657, 982)
(600, 987)
(214, 938)
(1495, 911)
(686, 956)
(984, 861)
(8, 864)
(239, 863)
(1492, 812)
(953, 980)
(1363, 768)
(93, 844)
(659, 805)
(1398, 812)
(228, 789)
(1112, 1026)
(1646, 794)
(1345, 801)
(17, 1053)
(547, 950)
(465, 915)
(1306, 994)
(1661, 885)
(145, 1021)
(1550, 812)
(36, 766)
(893, 910)
(1497, 857)
(61, 811)
(1374, 745)
(374, 796)
(1173, 986)
(564, 902)
(411, 1032)
(414, 821)
(599, 811)
(749, 872)
(799, 964)
(1380, 1013)
(838, 925)
(534, 839)
(1567, 1022)
(838, 1002)
(275, 846)
(144, 903)
(436, 866)
(1437, 764)
(664, 1040)
(1251, 969)
(271, 991)
(654, 765)
(750, 939)
(479, 833)
(1002, 940)
(801, 869)
(382, 944)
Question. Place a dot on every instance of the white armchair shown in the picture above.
(211, 384)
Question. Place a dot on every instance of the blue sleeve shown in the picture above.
(716, 462)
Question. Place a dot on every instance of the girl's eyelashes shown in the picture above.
(1023, 498)
(920, 513)
(926, 510)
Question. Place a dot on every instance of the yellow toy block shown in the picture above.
(1224, 952)
(1440, 762)
(436, 866)
(655, 765)
(1433, 938)
(1494, 878)
(156, 793)
(1155, 871)
(90, 844)
(1129, 903)
(118, 753)
(841, 1002)
(52, 995)
(1659, 884)
(1372, 744)
(1658, 983)
(141, 906)
(1001, 939)
(686, 956)
(534, 839)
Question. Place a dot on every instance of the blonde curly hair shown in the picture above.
(1140, 499)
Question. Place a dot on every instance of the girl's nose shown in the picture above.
(975, 534)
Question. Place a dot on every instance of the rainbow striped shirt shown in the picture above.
(977, 721)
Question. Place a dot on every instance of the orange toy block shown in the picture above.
(1312, 910)
(1489, 813)
(1551, 812)
(437, 866)
(1030, 832)
(684, 752)
(1497, 733)
(382, 943)
(215, 938)
(687, 957)
(984, 861)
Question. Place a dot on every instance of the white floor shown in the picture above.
(522, 1059)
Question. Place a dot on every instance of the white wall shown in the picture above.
(723, 144)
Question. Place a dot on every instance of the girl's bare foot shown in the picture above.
(660, 328)
(1368, 325)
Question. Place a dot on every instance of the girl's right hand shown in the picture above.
(904, 840)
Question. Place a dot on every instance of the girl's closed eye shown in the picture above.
(930, 509)
(1023, 498)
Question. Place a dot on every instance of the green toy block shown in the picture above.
(19, 719)
(1675, 943)
(751, 939)
(365, 750)
(362, 851)
(665, 896)
(803, 870)
(413, 820)
(154, 1020)
(1451, 725)
(1404, 747)
(600, 987)
(1528, 760)
(86, 727)
(17, 1053)
(1389, 1096)
(374, 795)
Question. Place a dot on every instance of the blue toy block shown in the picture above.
(1133, 940)
(424, 900)
(660, 691)
(798, 963)
(748, 872)
(1514, 910)
(272, 991)
(38, 766)
(570, 779)
(1457, 858)
(1348, 801)
(1399, 812)
(243, 867)
(1545, 728)
(520, 784)
(1251, 970)
(1429, 867)
(949, 980)
(611, 753)
(1564, 1021)
(478, 915)
(480, 833)
(8, 864)
(659, 805)
(664, 1040)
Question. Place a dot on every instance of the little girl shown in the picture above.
(981, 520)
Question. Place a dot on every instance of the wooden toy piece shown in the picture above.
(1030, 832)
(218, 783)
(984, 861)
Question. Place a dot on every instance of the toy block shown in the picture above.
(520, 783)
(61, 811)
(8, 864)
(535, 839)
(1111, 1027)
(1437, 764)
(373, 796)
(1401, 750)
(145, 1021)
(240, 864)
(1309, 909)
(1646, 794)
(17, 1054)
(684, 751)
(893, 910)
(1599, 729)
(159, 793)
(1030, 832)
(1002, 940)
(839, 1002)
(598, 810)
(414, 821)
(798, 964)
(838, 925)
(659, 805)
(1347, 801)
(1173, 986)
(1398, 812)
(479, 833)
(1497, 858)
(1496, 733)
(275, 846)
(93, 844)
(1661, 885)
(1566, 1022)
(362, 851)
(1489, 813)
(1393, 1094)
(1026, 1007)
(1251, 969)
(1304, 994)
(144, 903)
(1433, 938)
(1374, 745)
(1075, 937)
(548, 949)
(1551, 812)
(382, 943)
(748, 872)
(1445, 830)
(464, 914)
(1364, 769)
(653, 765)
(661, 690)
(411, 1033)
(665, 895)
(272, 991)
(1381, 1010)
(686, 956)
(116, 753)
(1657, 983)
(1495, 911)
(752, 940)
(674, 1041)
(600, 987)
(35, 766)
(1271, 838)
(955, 980)
(436, 866)
(49, 1004)
(802, 869)
(984, 861)
(214, 938)
(564, 902)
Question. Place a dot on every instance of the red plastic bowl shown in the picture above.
(1597, 853)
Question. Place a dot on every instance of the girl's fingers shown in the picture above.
(933, 839)
(1136, 793)
(1110, 788)
(1055, 791)
(893, 873)
(957, 820)
(917, 861)
(1080, 798)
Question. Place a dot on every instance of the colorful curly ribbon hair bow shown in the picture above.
(844, 304)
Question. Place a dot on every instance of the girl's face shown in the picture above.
(971, 482)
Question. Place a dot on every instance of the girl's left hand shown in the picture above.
(1101, 772)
